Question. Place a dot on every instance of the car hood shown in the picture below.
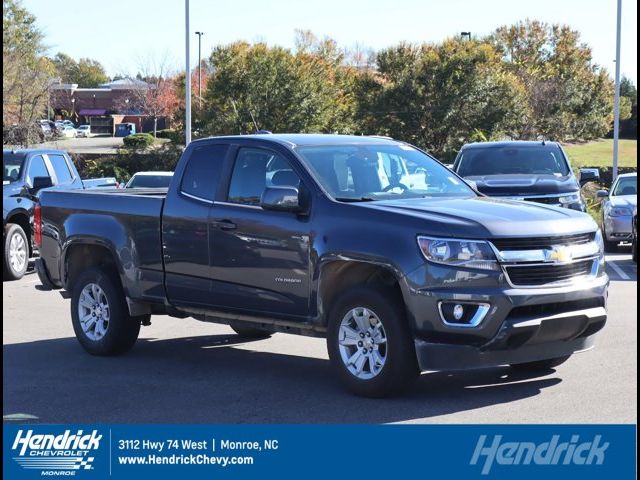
(624, 201)
(524, 185)
(485, 217)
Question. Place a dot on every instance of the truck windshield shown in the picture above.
(12, 163)
(377, 172)
(512, 160)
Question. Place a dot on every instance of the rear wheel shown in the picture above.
(540, 365)
(100, 316)
(250, 332)
(369, 342)
(16, 252)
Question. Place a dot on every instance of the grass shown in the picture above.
(599, 153)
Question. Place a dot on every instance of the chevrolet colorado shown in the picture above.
(403, 268)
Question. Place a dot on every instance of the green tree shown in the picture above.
(87, 73)
(26, 73)
(628, 99)
(441, 96)
(570, 97)
(255, 87)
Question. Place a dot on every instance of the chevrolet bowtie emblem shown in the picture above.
(559, 255)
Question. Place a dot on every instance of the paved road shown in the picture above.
(192, 372)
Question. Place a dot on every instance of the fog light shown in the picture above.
(463, 314)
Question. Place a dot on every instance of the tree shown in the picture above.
(255, 87)
(570, 97)
(86, 73)
(26, 73)
(629, 99)
(441, 96)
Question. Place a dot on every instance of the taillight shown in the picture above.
(37, 225)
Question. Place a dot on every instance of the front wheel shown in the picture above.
(100, 316)
(16, 252)
(369, 342)
(541, 365)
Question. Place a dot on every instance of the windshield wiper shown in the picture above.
(355, 199)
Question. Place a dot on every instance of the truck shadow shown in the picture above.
(219, 379)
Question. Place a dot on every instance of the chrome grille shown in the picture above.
(543, 274)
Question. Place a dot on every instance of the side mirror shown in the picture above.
(602, 194)
(281, 199)
(588, 175)
(41, 182)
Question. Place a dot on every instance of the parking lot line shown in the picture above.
(618, 270)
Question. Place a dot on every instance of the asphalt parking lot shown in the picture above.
(184, 371)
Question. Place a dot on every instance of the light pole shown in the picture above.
(199, 69)
(616, 101)
(187, 79)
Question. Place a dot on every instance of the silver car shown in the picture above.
(617, 210)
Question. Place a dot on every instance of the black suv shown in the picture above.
(533, 171)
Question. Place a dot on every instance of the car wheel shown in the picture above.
(100, 316)
(540, 365)
(16, 252)
(250, 332)
(610, 246)
(370, 346)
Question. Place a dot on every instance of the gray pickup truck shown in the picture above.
(368, 242)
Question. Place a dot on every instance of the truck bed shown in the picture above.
(131, 218)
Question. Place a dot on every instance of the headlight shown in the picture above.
(567, 199)
(459, 253)
(599, 239)
(618, 211)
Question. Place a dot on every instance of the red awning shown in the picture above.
(88, 112)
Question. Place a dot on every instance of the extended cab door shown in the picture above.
(260, 259)
(186, 229)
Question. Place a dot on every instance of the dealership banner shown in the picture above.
(322, 451)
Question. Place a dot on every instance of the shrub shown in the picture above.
(138, 141)
(176, 136)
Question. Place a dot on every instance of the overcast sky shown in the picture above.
(119, 33)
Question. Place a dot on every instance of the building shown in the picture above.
(104, 107)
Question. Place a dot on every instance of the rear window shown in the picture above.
(202, 172)
(150, 181)
(512, 160)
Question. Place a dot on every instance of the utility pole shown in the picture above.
(616, 103)
(187, 80)
(199, 69)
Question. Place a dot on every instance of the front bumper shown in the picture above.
(518, 342)
(618, 228)
(522, 324)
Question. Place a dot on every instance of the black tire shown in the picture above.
(541, 365)
(14, 231)
(400, 368)
(250, 332)
(122, 329)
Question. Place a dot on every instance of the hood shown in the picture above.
(484, 217)
(624, 201)
(524, 185)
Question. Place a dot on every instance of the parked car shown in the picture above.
(26, 173)
(84, 131)
(634, 235)
(531, 171)
(106, 182)
(617, 210)
(150, 180)
(47, 131)
(68, 132)
(398, 280)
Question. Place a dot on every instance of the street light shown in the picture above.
(187, 78)
(199, 69)
(616, 98)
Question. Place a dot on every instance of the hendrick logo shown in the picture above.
(56, 455)
(553, 452)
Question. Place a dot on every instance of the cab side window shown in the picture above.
(61, 169)
(256, 169)
(37, 168)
